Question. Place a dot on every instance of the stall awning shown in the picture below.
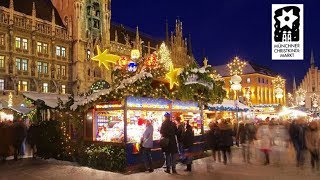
(50, 99)
(229, 105)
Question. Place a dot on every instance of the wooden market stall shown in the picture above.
(121, 122)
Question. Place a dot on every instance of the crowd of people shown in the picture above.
(269, 135)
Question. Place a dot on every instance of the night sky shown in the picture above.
(222, 29)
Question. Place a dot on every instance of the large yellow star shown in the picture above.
(105, 58)
(172, 76)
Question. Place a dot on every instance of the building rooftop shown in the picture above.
(43, 9)
(250, 68)
(123, 31)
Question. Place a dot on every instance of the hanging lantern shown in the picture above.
(279, 93)
(236, 79)
(135, 54)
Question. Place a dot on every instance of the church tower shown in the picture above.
(88, 21)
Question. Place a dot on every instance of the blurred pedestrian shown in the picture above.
(188, 139)
(297, 135)
(264, 136)
(180, 131)
(213, 136)
(19, 136)
(245, 137)
(147, 145)
(168, 132)
(226, 140)
(312, 139)
(32, 136)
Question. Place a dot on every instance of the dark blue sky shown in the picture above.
(225, 28)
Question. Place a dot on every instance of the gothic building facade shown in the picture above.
(310, 83)
(46, 46)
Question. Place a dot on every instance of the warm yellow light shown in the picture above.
(236, 66)
(135, 54)
(105, 58)
(172, 76)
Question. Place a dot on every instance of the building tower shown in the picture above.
(312, 60)
(89, 24)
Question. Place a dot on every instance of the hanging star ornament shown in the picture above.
(105, 58)
(287, 18)
(172, 76)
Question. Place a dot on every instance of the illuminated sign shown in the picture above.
(185, 105)
(105, 106)
(142, 102)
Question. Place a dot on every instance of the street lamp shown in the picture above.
(236, 69)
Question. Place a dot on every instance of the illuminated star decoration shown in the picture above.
(287, 18)
(105, 58)
(172, 76)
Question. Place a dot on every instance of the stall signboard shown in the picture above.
(181, 105)
(107, 106)
(143, 102)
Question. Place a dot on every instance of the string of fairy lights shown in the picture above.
(278, 82)
(236, 66)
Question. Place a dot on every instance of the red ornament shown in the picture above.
(151, 60)
(123, 62)
(140, 122)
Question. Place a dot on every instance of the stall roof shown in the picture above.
(229, 105)
(50, 99)
(21, 109)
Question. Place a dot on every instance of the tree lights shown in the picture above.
(300, 96)
(164, 56)
(278, 84)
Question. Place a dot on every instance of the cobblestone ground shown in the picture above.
(202, 169)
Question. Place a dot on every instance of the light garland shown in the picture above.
(236, 66)
(164, 56)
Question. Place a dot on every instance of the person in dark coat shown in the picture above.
(19, 135)
(180, 131)
(169, 130)
(32, 138)
(297, 135)
(226, 140)
(213, 136)
(188, 139)
(245, 137)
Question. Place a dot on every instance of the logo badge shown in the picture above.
(287, 31)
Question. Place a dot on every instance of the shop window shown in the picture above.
(63, 89)
(258, 80)
(1, 61)
(18, 42)
(96, 23)
(45, 87)
(1, 84)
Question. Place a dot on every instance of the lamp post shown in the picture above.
(236, 69)
(278, 83)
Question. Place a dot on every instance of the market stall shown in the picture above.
(227, 109)
(122, 122)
